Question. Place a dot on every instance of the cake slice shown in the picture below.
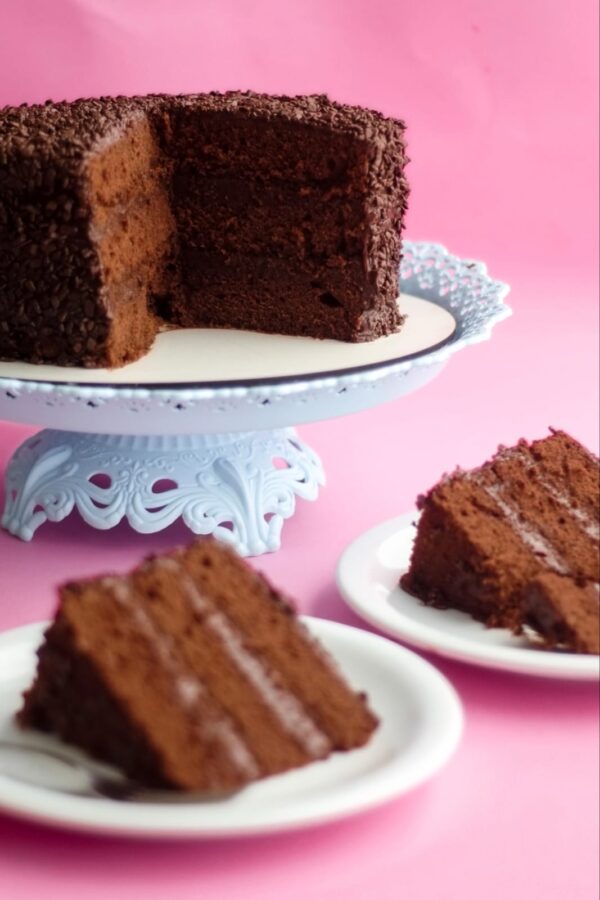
(193, 673)
(489, 539)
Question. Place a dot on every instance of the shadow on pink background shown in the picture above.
(501, 103)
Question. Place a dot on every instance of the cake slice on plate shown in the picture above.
(192, 672)
(515, 542)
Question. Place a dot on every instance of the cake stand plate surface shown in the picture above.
(202, 427)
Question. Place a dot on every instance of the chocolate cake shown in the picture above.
(516, 542)
(122, 215)
(191, 673)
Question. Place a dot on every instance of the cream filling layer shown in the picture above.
(530, 535)
(285, 707)
(189, 689)
(588, 524)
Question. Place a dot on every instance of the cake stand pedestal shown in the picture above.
(238, 487)
(222, 454)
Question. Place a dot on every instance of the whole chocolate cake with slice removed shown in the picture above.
(516, 543)
(122, 215)
(191, 673)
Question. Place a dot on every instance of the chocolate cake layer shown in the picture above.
(202, 676)
(300, 200)
(282, 136)
(214, 297)
(485, 535)
(238, 215)
(573, 472)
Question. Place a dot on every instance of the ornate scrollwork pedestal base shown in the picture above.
(238, 487)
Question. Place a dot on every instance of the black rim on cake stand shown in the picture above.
(217, 446)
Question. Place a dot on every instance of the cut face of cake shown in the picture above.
(239, 210)
(563, 612)
(515, 542)
(191, 673)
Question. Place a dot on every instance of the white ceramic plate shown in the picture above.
(367, 575)
(420, 726)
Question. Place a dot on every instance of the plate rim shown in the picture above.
(346, 805)
(517, 660)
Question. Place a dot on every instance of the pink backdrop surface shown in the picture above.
(501, 102)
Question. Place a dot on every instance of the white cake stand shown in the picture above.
(201, 427)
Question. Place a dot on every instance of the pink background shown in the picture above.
(501, 102)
